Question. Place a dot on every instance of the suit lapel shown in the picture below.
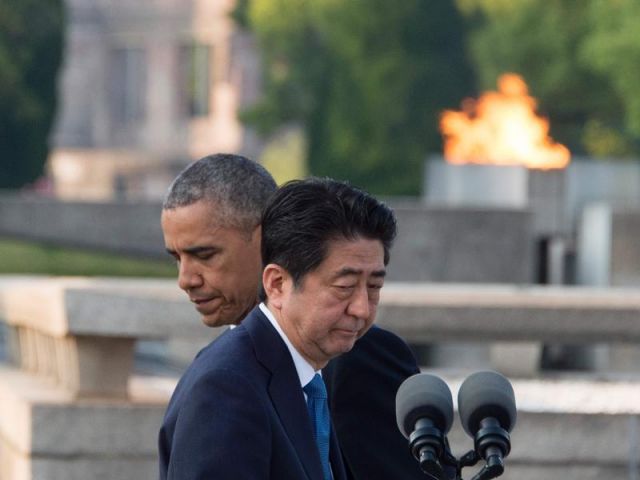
(289, 402)
(335, 457)
(285, 391)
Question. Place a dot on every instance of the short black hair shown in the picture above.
(238, 187)
(304, 215)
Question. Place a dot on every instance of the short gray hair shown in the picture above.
(237, 186)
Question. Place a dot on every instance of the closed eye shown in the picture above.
(202, 253)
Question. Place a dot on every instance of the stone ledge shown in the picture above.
(15, 466)
(137, 308)
(45, 433)
(82, 331)
(103, 307)
(67, 328)
(38, 418)
(515, 471)
(431, 313)
(566, 425)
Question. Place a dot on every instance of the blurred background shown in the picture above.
(506, 135)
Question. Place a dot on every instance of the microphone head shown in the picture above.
(486, 394)
(423, 396)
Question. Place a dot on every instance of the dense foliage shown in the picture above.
(31, 37)
(580, 58)
(366, 79)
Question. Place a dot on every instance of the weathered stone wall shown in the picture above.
(456, 245)
(117, 226)
(124, 121)
(462, 245)
(433, 244)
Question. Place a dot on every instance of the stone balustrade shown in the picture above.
(506, 327)
(82, 332)
(438, 312)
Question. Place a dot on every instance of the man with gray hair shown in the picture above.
(211, 225)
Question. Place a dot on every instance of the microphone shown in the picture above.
(424, 412)
(487, 407)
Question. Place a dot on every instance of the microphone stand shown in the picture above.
(492, 469)
(492, 441)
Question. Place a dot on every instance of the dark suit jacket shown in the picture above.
(239, 413)
(362, 386)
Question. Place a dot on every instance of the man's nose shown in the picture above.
(359, 304)
(188, 276)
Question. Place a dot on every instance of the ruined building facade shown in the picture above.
(146, 87)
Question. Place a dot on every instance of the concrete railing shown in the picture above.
(123, 227)
(431, 313)
(508, 327)
(82, 332)
(72, 409)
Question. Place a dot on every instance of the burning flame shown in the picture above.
(501, 128)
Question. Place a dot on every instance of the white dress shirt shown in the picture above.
(304, 368)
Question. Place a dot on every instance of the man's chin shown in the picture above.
(225, 316)
(214, 320)
(221, 318)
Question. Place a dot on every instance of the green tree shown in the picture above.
(366, 79)
(31, 37)
(612, 49)
(544, 42)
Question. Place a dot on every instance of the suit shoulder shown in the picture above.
(379, 350)
(379, 339)
(231, 352)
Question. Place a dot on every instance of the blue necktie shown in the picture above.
(319, 412)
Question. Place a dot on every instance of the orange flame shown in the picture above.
(501, 128)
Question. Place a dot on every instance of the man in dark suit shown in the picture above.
(239, 413)
(242, 410)
(210, 221)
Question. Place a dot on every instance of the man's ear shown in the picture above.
(276, 282)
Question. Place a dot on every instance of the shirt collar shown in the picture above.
(304, 368)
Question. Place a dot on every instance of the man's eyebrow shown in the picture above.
(195, 250)
(354, 271)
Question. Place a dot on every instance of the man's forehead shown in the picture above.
(184, 229)
(201, 215)
(356, 272)
(354, 257)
